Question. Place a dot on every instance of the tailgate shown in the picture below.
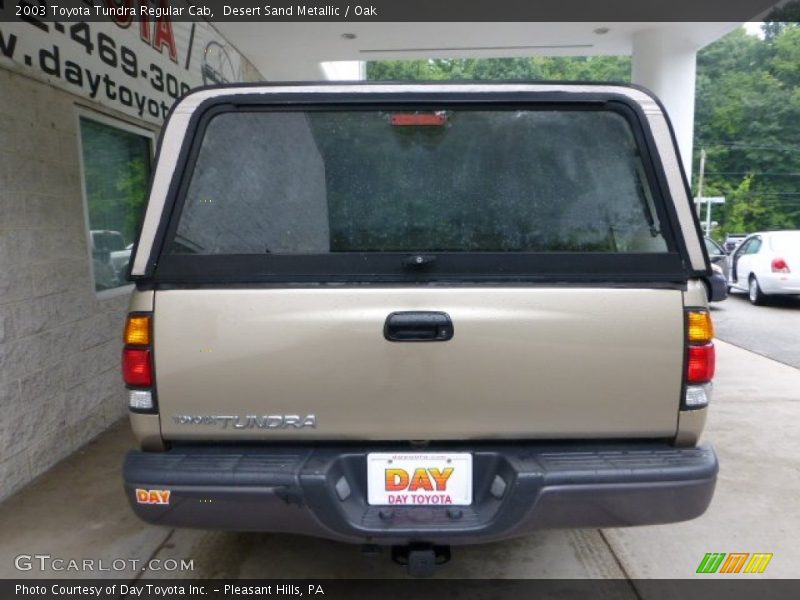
(523, 362)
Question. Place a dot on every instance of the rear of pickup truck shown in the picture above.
(423, 313)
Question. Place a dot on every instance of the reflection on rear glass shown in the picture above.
(353, 181)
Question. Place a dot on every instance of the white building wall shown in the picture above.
(60, 341)
(666, 64)
(59, 345)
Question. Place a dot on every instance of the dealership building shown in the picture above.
(81, 106)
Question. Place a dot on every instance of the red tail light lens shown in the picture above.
(779, 266)
(436, 119)
(136, 369)
(701, 364)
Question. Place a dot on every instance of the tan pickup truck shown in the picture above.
(418, 315)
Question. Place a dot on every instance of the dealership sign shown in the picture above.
(136, 61)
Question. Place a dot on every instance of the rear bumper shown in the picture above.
(517, 489)
(780, 283)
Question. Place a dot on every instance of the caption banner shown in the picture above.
(394, 10)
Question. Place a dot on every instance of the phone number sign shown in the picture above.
(138, 63)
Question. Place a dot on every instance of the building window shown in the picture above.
(116, 169)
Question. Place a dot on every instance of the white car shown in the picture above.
(767, 264)
(119, 260)
(109, 247)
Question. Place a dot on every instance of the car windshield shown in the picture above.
(325, 181)
(786, 241)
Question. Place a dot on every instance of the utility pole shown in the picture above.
(713, 200)
(700, 200)
(701, 176)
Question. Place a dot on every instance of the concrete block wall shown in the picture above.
(59, 344)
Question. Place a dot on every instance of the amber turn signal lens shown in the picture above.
(701, 329)
(137, 330)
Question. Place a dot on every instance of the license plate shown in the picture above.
(419, 479)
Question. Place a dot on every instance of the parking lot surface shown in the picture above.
(772, 330)
(77, 510)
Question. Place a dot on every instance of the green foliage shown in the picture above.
(117, 169)
(542, 68)
(748, 121)
(781, 17)
(133, 186)
(751, 212)
(747, 113)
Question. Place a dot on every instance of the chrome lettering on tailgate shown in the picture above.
(249, 421)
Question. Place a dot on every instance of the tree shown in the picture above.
(747, 115)
(781, 17)
(747, 112)
(542, 68)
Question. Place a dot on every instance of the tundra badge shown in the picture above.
(249, 421)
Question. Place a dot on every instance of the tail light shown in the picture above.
(779, 266)
(137, 362)
(435, 119)
(700, 328)
(136, 367)
(701, 364)
(700, 358)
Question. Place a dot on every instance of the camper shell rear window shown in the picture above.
(427, 192)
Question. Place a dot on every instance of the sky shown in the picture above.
(754, 29)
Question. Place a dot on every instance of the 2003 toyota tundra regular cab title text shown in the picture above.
(418, 315)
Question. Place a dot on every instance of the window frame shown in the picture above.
(164, 268)
(649, 202)
(128, 127)
(747, 244)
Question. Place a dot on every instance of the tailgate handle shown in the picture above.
(418, 326)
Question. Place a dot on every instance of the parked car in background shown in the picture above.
(104, 276)
(120, 260)
(104, 244)
(717, 255)
(717, 283)
(104, 240)
(767, 264)
(108, 247)
(733, 240)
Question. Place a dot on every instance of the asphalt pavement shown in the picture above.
(772, 330)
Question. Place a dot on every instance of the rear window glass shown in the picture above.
(319, 182)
